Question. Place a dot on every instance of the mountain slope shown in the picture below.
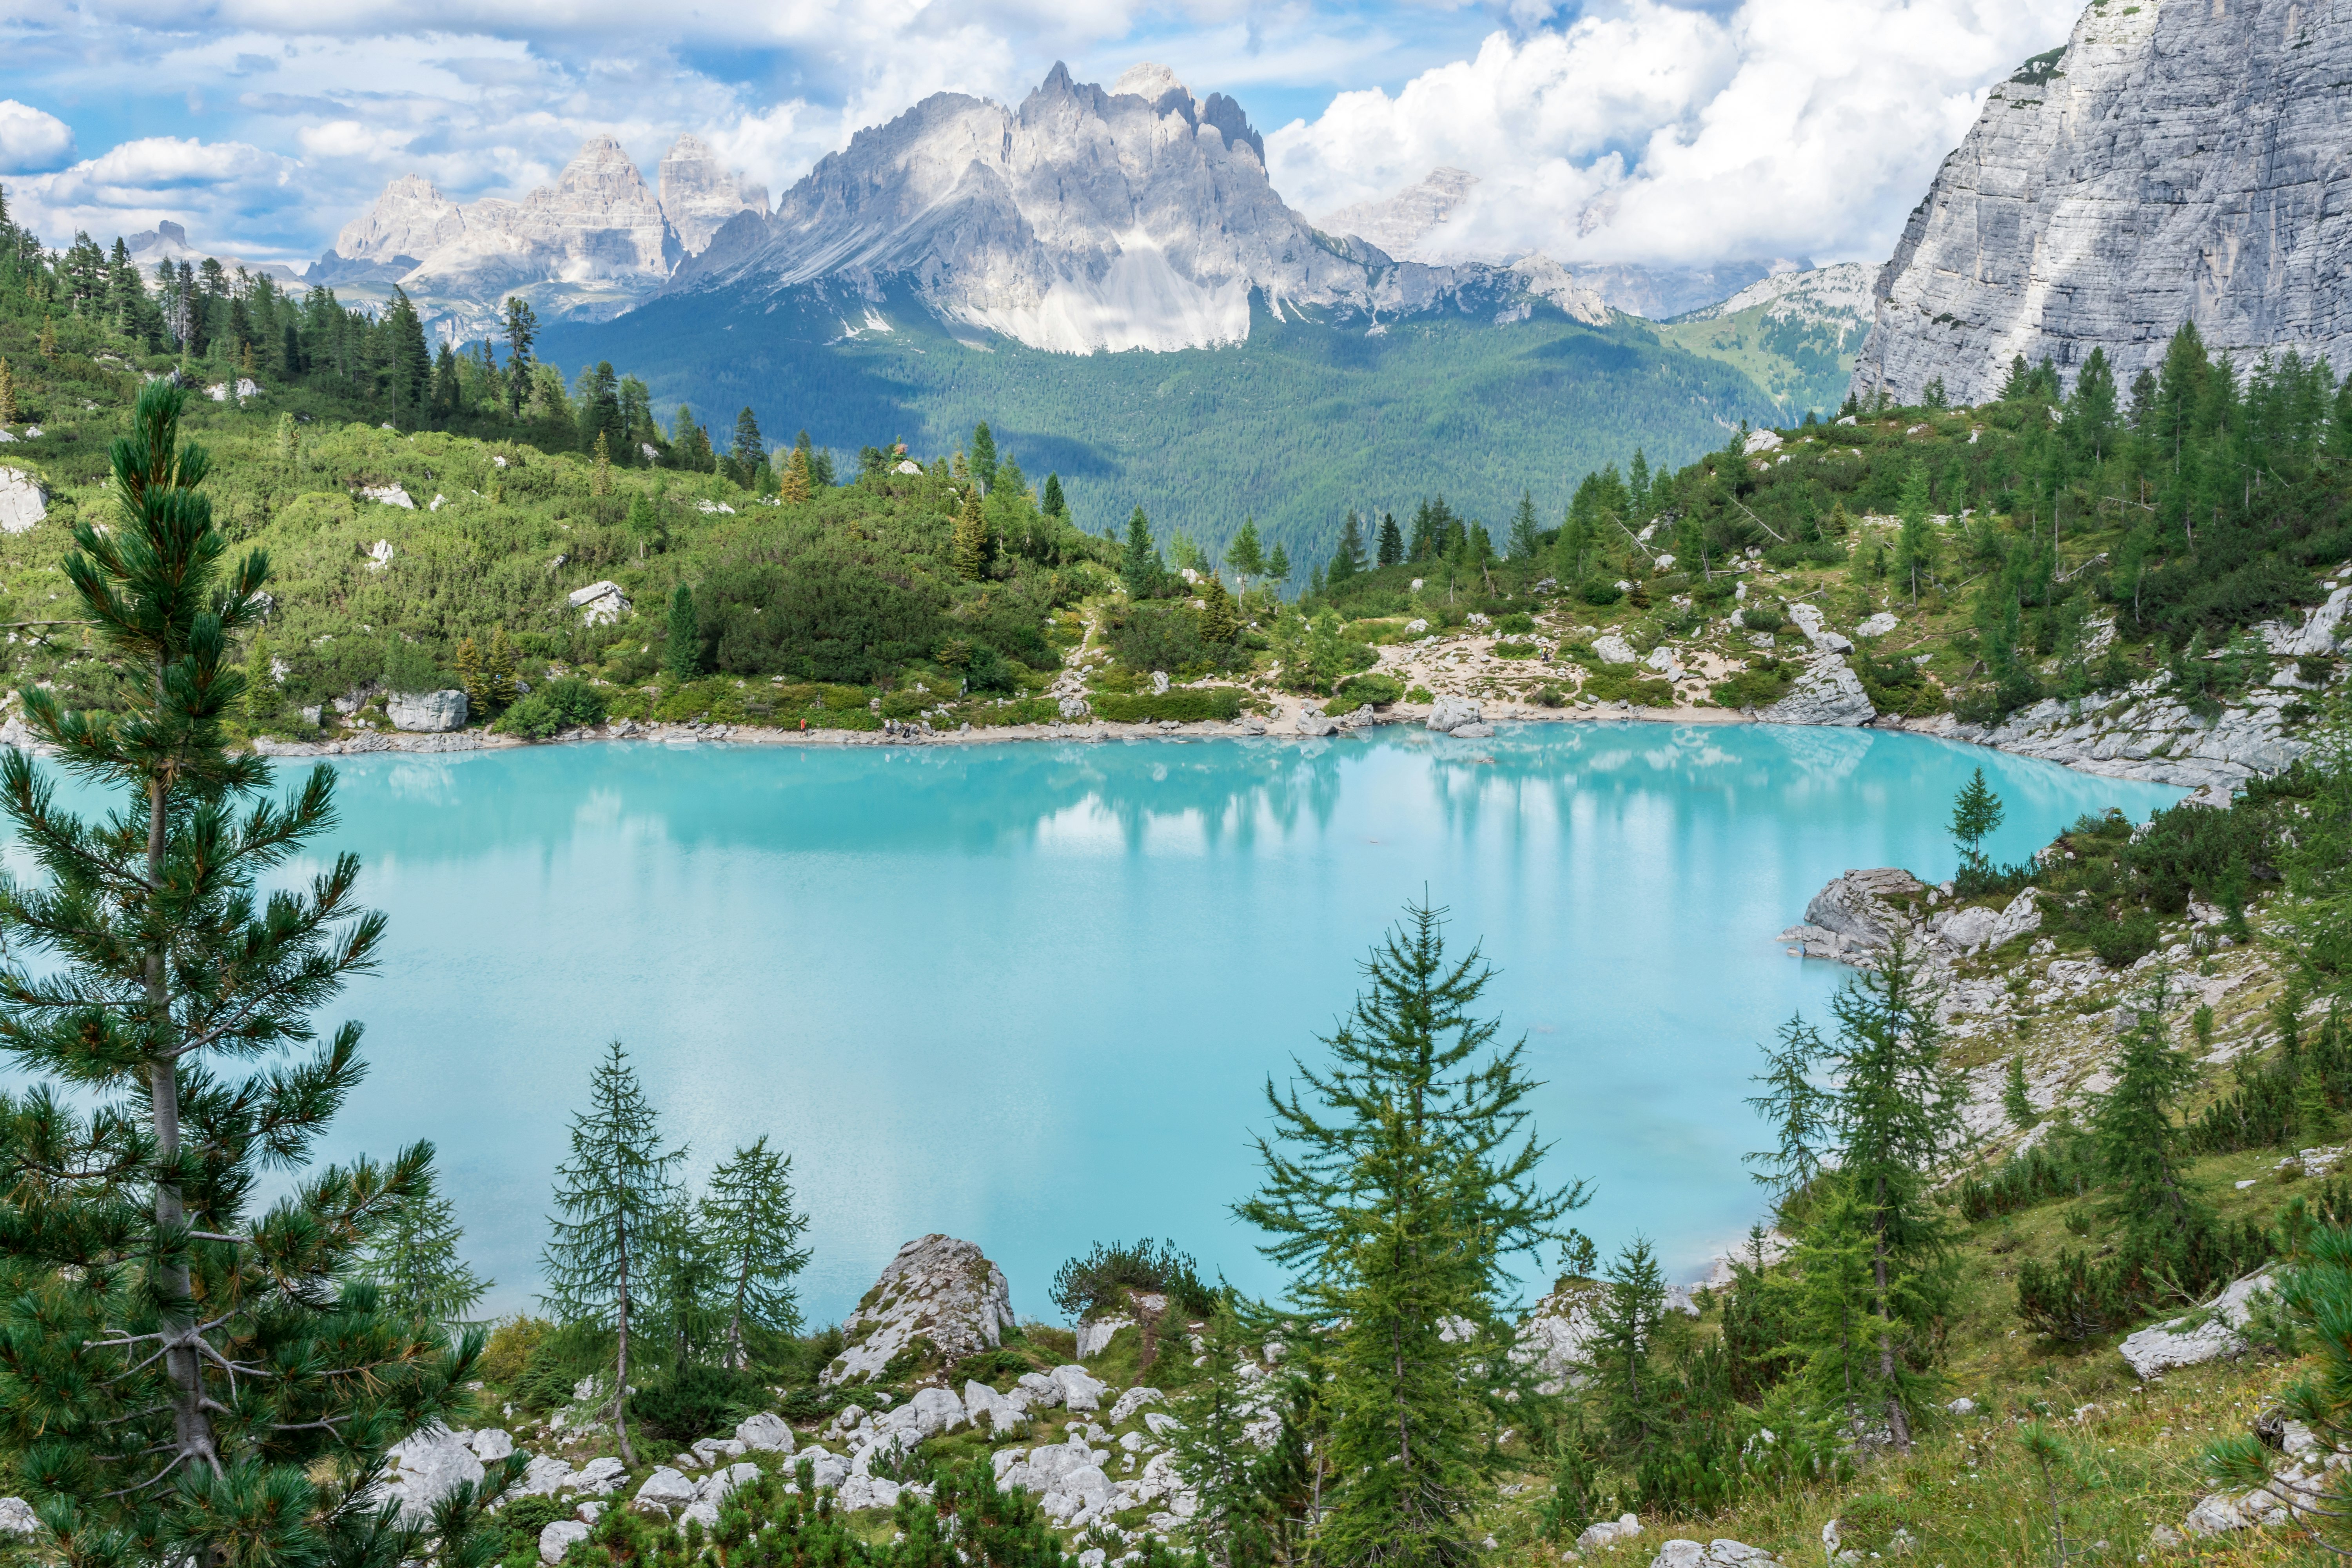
(2172, 161)
(1302, 421)
(1795, 334)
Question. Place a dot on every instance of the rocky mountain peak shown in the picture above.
(1397, 221)
(2170, 162)
(699, 194)
(412, 218)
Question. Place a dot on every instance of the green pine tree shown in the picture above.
(469, 677)
(2016, 1102)
(260, 702)
(1626, 1317)
(611, 1196)
(1390, 549)
(1348, 558)
(412, 1258)
(1052, 504)
(1977, 813)
(683, 1306)
(682, 648)
(747, 459)
(984, 455)
(183, 1373)
(756, 1235)
(644, 523)
(1246, 554)
(1524, 541)
(1140, 566)
(967, 550)
(1795, 1107)
(1238, 1524)
(1398, 1187)
(498, 672)
(1278, 565)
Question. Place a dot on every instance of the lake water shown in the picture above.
(1030, 994)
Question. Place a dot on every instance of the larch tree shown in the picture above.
(1278, 565)
(749, 1217)
(1399, 1180)
(1977, 813)
(968, 548)
(984, 455)
(183, 1373)
(611, 1193)
(1525, 539)
(1246, 554)
(412, 1259)
(795, 483)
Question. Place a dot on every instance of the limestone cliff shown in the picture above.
(2172, 161)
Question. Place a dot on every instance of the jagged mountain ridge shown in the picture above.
(1090, 219)
(598, 241)
(2173, 161)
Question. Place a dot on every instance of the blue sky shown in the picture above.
(1629, 130)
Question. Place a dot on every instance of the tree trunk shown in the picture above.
(621, 1365)
(192, 1427)
(1897, 1422)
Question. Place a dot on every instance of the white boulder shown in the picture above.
(558, 1538)
(599, 603)
(767, 1433)
(1609, 1532)
(665, 1493)
(1662, 659)
(2022, 915)
(1876, 625)
(17, 1518)
(490, 1444)
(1448, 714)
(2153, 1351)
(1133, 1400)
(1760, 441)
(430, 712)
(1614, 650)
(1827, 693)
(935, 1288)
(1808, 619)
(23, 501)
(426, 1466)
(387, 495)
(1081, 1390)
(1001, 1415)
(601, 1478)
(1717, 1553)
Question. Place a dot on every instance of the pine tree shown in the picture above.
(49, 337)
(1214, 1447)
(498, 672)
(1246, 554)
(408, 362)
(1052, 505)
(2016, 1099)
(756, 1235)
(749, 457)
(2142, 1153)
(1915, 545)
(1625, 1319)
(1391, 548)
(412, 1259)
(1977, 813)
(260, 685)
(1140, 566)
(984, 455)
(1795, 1107)
(1397, 1189)
(288, 438)
(682, 648)
(610, 1197)
(1524, 539)
(1637, 487)
(600, 472)
(7, 394)
(1219, 622)
(1277, 566)
(795, 485)
(176, 1368)
(681, 1298)
(521, 331)
(644, 524)
(470, 678)
(967, 550)
(1348, 558)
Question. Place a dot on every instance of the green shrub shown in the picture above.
(1186, 707)
(696, 1401)
(1551, 697)
(1597, 592)
(567, 702)
(1372, 688)
(1516, 650)
(1762, 618)
(1622, 685)
(1519, 623)
(1758, 686)
(1083, 1285)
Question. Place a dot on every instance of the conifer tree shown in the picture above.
(1277, 566)
(756, 1235)
(749, 457)
(1246, 554)
(984, 455)
(969, 548)
(794, 487)
(260, 690)
(1140, 566)
(1626, 1317)
(412, 1258)
(1524, 540)
(1348, 558)
(7, 394)
(1637, 487)
(1794, 1106)
(1052, 504)
(1397, 1188)
(682, 648)
(1219, 622)
(1977, 813)
(1390, 549)
(1915, 543)
(600, 472)
(470, 678)
(498, 672)
(1238, 1524)
(682, 1282)
(179, 1375)
(521, 331)
(610, 1195)
(2016, 1099)
(49, 337)
(288, 438)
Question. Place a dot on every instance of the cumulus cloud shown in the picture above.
(31, 140)
(217, 188)
(1656, 132)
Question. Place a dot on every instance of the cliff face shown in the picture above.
(2177, 160)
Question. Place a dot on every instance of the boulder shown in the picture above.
(1316, 725)
(1609, 1532)
(1552, 1339)
(2022, 915)
(825, 1468)
(1474, 732)
(1095, 1335)
(544, 1476)
(1614, 650)
(929, 1413)
(387, 495)
(2219, 1513)
(1857, 906)
(429, 712)
(17, 1518)
(1720, 1553)
(767, 1433)
(1001, 1415)
(1662, 659)
(490, 1444)
(599, 602)
(558, 1538)
(1448, 714)
(721, 1484)
(1827, 693)
(1808, 619)
(23, 501)
(859, 1492)
(1081, 1390)
(1964, 929)
(664, 1494)
(935, 1288)
(426, 1466)
(600, 1478)
(1760, 441)
(1876, 625)
(2153, 1351)
(1159, 683)
(1128, 1404)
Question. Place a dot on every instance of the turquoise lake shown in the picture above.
(1030, 994)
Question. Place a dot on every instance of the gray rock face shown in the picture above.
(426, 1466)
(431, 712)
(23, 501)
(1827, 693)
(599, 603)
(699, 194)
(1087, 219)
(2144, 733)
(938, 1289)
(1448, 714)
(2175, 162)
(1397, 221)
(769, 1434)
(558, 1538)
(2153, 1351)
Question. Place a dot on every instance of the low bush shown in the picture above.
(1622, 685)
(1083, 1285)
(1762, 617)
(1761, 685)
(697, 1401)
(1519, 623)
(1184, 707)
(567, 702)
(1516, 650)
(1372, 688)
(1600, 593)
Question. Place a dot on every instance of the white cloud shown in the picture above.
(216, 188)
(31, 140)
(1653, 132)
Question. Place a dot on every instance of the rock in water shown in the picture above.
(23, 501)
(1827, 693)
(431, 712)
(937, 1288)
(2170, 163)
(1448, 714)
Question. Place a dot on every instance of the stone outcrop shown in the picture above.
(2173, 161)
(2153, 1351)
(937, 1290)
(1717, 1553)
(599, 603)
(1448, 715)
(1828, 692)
(427, 712)
(23, 501)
